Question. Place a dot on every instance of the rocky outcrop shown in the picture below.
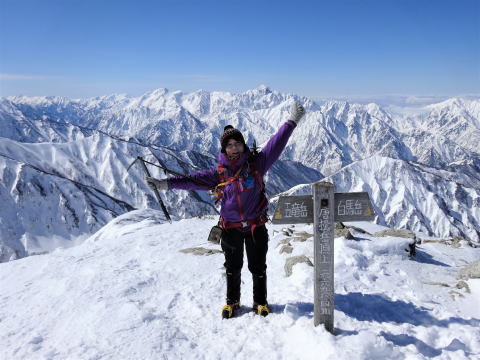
(471, 271)
(294, 260)
(200, 251)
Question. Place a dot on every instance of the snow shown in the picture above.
(129, 293)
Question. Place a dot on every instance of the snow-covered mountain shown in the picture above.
(91, 142)
(18, 127)
(457, 120)
(332, 135)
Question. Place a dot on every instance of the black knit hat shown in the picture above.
(229, 132)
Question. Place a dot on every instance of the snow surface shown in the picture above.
(129, 293)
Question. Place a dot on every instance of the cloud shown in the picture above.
(22, 77)
(401, 101)
(422, 100)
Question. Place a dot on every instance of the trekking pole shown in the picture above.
(155, 190)
(165, 169)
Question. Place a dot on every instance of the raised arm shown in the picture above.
(274, 147)
(200, 180)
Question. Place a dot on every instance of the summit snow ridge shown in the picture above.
(132, 291)
(92, 142)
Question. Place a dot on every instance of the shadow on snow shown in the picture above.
(425, 258)
(375, 307)
(379, 308)
(422, 347)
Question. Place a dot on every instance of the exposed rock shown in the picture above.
(456, 241)
(291, 261)
(403, 233)
(343, 232)
(200, 251)
(287, 249)
(303, 234)
(436, 283)
(358, 229)
(454, 293)
(299, 239)
(453, 241)
(284, 241)
(412, 249)
(339, 225)
(471, 271)
(426, 241)
(463, 285)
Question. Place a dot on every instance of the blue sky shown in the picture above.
(83, 48)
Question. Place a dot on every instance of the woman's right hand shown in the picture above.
(297, 112)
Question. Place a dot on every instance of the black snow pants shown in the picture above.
(233, 241)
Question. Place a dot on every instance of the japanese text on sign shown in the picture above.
(323, 224)
(350, 207)
(296, 210)
(324, 227)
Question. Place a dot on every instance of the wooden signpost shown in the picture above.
(322, 209)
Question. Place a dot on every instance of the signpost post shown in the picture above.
(322, 209)
(323, 254)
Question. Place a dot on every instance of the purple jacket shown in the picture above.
(242, 200)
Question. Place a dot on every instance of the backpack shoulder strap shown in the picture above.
(222, 172)
(254, 170)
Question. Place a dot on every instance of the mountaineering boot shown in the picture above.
(228, 310)
(260, 305)
(263, 310)
(233, 287)
(259, 288)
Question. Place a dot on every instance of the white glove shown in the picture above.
(153, 183)
(296, 113)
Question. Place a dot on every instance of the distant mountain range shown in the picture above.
(63, 161)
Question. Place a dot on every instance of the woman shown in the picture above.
(238, 183)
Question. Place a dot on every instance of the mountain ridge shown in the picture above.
(98, 138)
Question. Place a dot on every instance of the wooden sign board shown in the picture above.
(294, 210)
(355, 206)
